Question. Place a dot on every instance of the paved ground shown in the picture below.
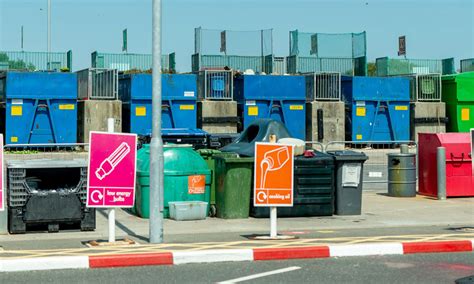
(378, 212)
(424, 268)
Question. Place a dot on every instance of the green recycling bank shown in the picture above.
(186, 178)
(458, 94)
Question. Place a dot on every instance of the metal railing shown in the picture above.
(324, 86)
(300, 65)
(428, 87)
(215, 85)
(376, 167)
(467, 65)
(35, 61)
(279, 65)
(97, 84)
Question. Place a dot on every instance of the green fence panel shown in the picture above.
(36, 61)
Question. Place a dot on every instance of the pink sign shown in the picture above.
(112, 165)
(2, 192)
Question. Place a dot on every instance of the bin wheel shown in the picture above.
(53, 228)
(213, 210)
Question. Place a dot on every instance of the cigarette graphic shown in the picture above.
(273, 161)
(108, 165)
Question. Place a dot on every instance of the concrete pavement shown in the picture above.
(378, 211)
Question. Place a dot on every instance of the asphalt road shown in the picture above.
(420, 268)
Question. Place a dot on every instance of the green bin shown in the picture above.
(186, 178)
(209, 156)
(233, 186)
(458, 94)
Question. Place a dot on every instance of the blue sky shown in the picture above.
(434, 28)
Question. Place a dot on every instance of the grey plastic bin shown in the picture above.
(188, 210)
(349, 179)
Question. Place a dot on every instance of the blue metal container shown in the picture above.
(280, 98)
(378, 108)
(178, 102)
(39, 107)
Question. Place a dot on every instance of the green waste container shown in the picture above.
(186, 178)
(209, 156)
(233, 186)
(458, 94)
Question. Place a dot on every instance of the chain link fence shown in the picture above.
(238, 50)
(131, 61)
(321, 52)
(36, 61)
(390, 67)
(467, 65)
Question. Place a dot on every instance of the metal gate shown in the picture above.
(323, 86)
(97, 84)
(215, 85)
(428, 87)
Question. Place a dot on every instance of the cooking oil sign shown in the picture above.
(273, 180)
(197, 184)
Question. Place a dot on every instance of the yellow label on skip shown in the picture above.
(140, 111)
(360, 111)
(464, 114)
(359, 136)
(253, 110)
(66, 107)
(186, 107)
(401, 107)
(14, 139)
(296, 107)
(17, 111)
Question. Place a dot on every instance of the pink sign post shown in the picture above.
(2, 185)
(112, 166)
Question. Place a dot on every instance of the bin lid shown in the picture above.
(458, 145)
(348, 155)
(208, 152)
(235, 159)
(183, 132)
(319, 157)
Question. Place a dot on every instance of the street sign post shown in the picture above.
(111, 172)
(273, 179)
(2, 180)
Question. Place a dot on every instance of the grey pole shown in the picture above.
(156, 145)
(49, 32)
(404, 149)
(441, 172)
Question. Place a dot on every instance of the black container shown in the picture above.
(349, 180)
(313, 189)
(48, 193)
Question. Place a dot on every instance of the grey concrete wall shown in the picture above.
(93, 115)
(427, 110)
(217, 109)
(333, 121)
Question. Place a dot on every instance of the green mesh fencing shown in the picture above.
(467, 65)
(321, 52)
(131, 61)
(35, 61)
(391, 67)
(238, 50)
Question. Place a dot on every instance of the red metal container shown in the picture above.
(459, 175)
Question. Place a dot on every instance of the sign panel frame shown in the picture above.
(277, 159)
(107, 188)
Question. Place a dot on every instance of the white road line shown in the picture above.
(259, 275)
